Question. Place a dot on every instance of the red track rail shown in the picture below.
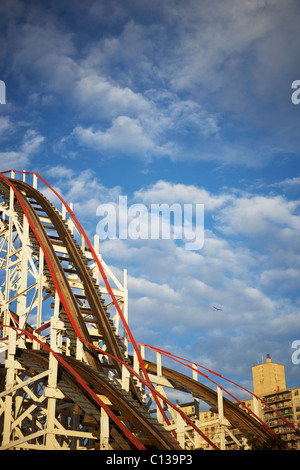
(82, 382)
(186, 363)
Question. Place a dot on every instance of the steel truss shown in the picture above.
(71, 374)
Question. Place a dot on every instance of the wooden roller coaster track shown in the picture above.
(67, 379)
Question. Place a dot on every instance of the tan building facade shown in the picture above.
(280, 406)
(268, 378)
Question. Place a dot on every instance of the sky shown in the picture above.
(172, 102)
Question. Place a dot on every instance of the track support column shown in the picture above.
(10, 382)
(51, 391)
(104, 431)
(221, 417)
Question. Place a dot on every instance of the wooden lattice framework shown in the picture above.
(82, 382)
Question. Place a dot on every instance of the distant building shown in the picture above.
(268, 378)
(286, 404)
(269, 384)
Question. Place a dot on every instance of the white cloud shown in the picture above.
(12, 160)
(281, 279)
(39, 47)
(256, 214)
(21, 158)
(96, 94)
(171, 76)
(229, 48)
(272, 222)
(6, 126)
(126, 135)
(288, 183)
(168, 192)
(83, 190)
(145, 122)
(31, 143)
(145, 130)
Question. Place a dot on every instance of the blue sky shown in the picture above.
(172, 102)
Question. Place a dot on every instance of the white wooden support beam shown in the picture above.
(221, 419)
(256, 407)
(34, 184)
(158, 365)
(180, 430)
(104, 431)
(8, 260)
(125, 378)
(10, 382)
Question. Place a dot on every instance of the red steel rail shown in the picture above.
(187, 363)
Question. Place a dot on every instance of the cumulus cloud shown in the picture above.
(83, 190)
(255, 215)
(21, 158)
(287, 184)
(97, 94)
(271, 221)
(168, 192)
(6, 126)
(126, 136)
(224, 39)
(122, 116)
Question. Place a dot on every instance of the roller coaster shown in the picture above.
(72, 376)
